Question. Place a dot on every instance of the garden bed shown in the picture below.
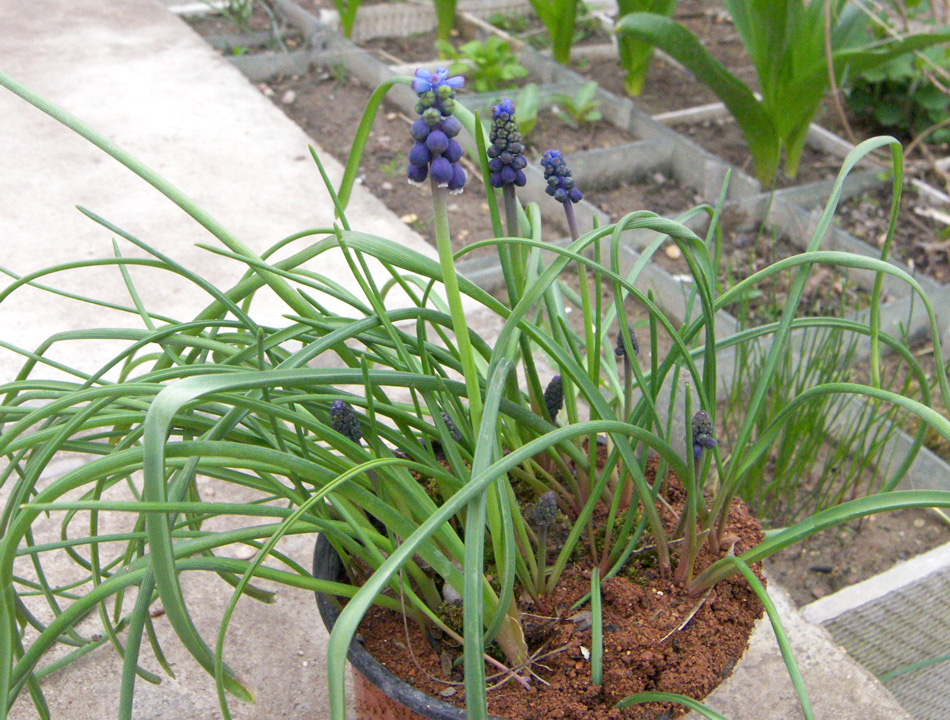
(921, 237)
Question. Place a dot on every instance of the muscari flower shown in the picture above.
(454, 432)
(560, 181)
(703, 437)
(435, 150)
(344, 421)
(554, 397)
(544, 513)
(506, 152)
(621, 350)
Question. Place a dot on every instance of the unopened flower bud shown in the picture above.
(703, 433)
(544, 513)
(343, 419)
(554, 397)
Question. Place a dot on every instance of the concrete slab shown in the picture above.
(136, 73)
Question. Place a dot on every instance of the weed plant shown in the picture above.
(396, 429)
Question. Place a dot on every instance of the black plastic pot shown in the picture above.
(372, 679)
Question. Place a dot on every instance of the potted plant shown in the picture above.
(460, 482)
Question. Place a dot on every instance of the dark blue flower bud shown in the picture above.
(560, 181)
(451, 126)
(544, 512)
(457, 183)
(441, 170)
(703, 433)
(453, 153)
(437, 141)
(554, 397)
(506, 147)
(418, 173)
(419, 130)
(621, 350)
(344, 421)
(419, 155)
(453, 430)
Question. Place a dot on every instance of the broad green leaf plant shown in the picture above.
(788, 44)
(396, 430)
(636, 53)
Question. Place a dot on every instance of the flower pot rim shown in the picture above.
(327, 565)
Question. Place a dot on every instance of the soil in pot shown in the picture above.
(645, 647)
(921, 237)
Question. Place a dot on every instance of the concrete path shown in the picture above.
(136, 73)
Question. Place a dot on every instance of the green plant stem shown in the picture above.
(443, 243)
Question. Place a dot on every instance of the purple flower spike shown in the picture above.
(703, 437)
(507, 148)
(435, 152)
(560, 181)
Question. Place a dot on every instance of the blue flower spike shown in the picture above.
(436, 152)
(560, 181)
(506, 152)
(343, 419)
(554, 397)
(703, 434)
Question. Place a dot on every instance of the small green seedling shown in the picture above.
(488, 66)
(578, 109)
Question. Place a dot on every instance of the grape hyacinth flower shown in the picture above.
(621, 350)
(344, 421)
(703, 436)
(544, 513)
(506, 152)
(454, 432)
(436, 152)
(560, 181)
(554, 397)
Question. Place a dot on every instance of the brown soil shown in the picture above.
(261, 21)
(666, 87)
(723, 137)
(552, 132)
(748, 248)
(416, 48)
(919, 240)
(838, 557)
(659, 193)
(644, 647)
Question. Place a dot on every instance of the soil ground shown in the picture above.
(921, 239)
